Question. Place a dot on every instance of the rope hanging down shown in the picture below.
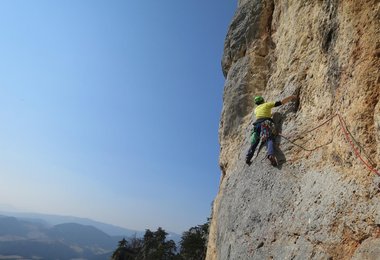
(348, 137)
(357, 153)
(300, 146)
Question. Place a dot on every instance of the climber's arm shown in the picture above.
(284, 101)
(288, 99)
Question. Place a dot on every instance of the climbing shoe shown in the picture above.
(248, 161)
(272, 160)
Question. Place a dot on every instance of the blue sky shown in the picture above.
(109, 109)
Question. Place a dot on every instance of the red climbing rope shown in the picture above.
(306, 132)
(300, 146)
(348, 137)
(357, 153)
(318, 126)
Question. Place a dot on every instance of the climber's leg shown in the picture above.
(270, 150)
(251, 151)
(255, 140)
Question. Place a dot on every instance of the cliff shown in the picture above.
(323, 200)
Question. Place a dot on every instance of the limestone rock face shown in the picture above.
(322, 201)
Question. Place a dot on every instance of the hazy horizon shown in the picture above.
(54, 219)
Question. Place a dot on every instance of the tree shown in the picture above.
(123, 252)
(155, 246)
(194, 242)
(136, 244)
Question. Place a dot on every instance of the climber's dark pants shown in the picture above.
(252, 148)
(251, 151)
(270, 149)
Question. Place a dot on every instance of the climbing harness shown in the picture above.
(267, 130)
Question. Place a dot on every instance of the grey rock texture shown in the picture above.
(318, 204)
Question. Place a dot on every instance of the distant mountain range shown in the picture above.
(55, 220)
(22, 239)
(40, 236)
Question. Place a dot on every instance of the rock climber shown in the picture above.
(263, 127)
